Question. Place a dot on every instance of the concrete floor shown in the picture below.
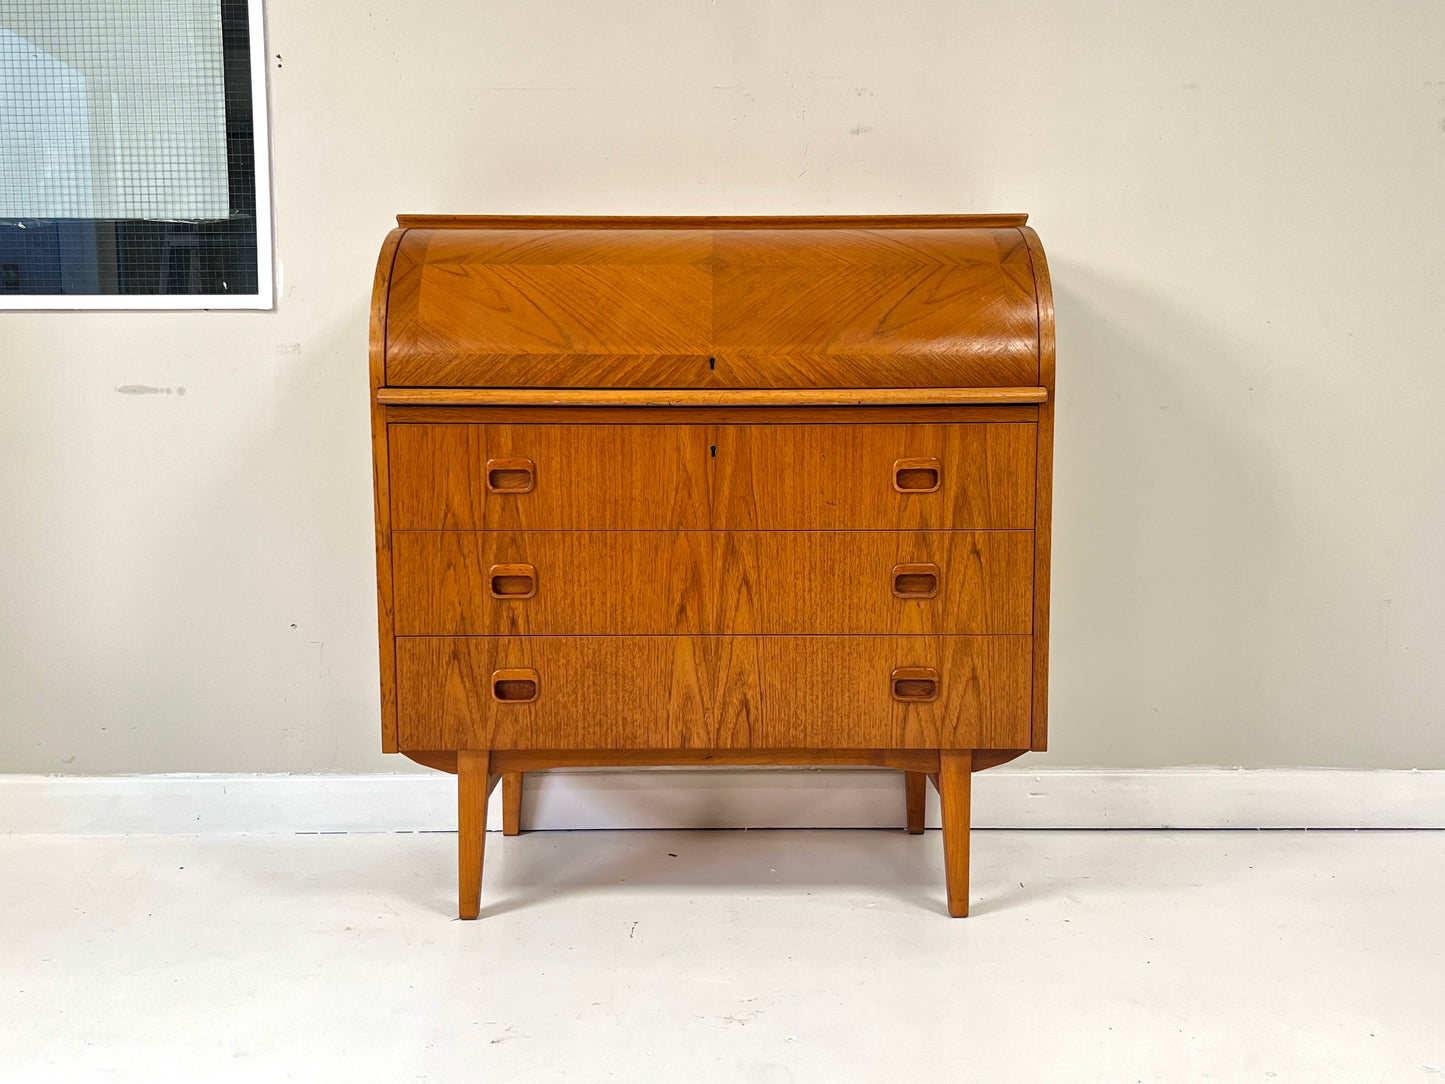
(725, 956)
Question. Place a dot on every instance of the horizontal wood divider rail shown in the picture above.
(704, 397)
(524, 760)
(704, 222)
(731, 415)
(536, 760)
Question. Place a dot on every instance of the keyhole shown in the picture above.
(712, 363)
(712, 450)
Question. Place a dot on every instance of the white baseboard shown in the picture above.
(712, 798)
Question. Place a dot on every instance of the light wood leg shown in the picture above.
(955, 783)
(511, 803)
(915, 793)
(472, 792)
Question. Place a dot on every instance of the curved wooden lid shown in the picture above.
(705, 222)
(905, 301)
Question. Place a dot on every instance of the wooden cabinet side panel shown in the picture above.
(720, 582)
(723, 692)
(381, 486)
(1044, 488)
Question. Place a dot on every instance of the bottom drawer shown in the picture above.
(720, 692)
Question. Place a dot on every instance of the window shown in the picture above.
(133, 169)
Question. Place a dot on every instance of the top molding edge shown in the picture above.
(695, 222)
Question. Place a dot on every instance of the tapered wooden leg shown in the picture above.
(472, 792)
(955, 784)
(915, 795)
(511, 803)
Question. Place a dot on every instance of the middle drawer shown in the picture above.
(632, 583)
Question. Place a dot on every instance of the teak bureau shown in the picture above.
(723, 491)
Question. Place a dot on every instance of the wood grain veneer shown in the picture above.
(446, 414)
(722, 692)
(727, 397)
(638, 583)
(1043, 488)
(380, 458)
(712, 477)
(509, 761)
(954, 783)
(708, 222)
(712, 491)
(756, 307)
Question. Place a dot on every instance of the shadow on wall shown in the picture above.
(1170, 538)
(264, 581)
(308, 470)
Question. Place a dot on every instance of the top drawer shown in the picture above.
(819, 477)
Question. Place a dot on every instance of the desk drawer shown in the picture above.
(694, 582)
(828, 477)
(723, 692)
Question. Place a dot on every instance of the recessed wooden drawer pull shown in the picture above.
(512, 581)
(515, 686)
(511, 475)
(915, 581)
(919, 474)
(915, 684)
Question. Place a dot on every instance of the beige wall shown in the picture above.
(1243, 207)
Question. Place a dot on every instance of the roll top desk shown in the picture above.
(713, 491)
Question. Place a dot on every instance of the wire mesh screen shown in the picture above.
(127, 161)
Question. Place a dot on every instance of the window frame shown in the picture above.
(264, 299)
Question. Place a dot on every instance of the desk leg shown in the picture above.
(915, 794)
(472, 791)
(955, 782)
(511, 803)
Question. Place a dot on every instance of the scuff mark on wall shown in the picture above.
(148, 389)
